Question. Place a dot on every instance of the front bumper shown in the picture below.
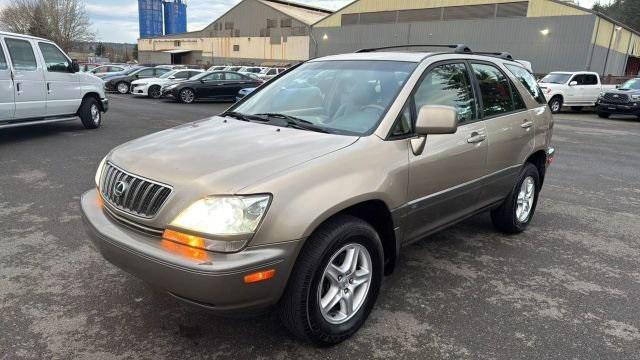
(215, 280)
(140, 90)
(630, 108)
(105, 104)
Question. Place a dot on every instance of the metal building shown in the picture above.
(553, 35)
(253, 32)
(175, 17)
(150, 17)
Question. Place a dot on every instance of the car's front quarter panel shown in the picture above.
(310, 193)
(91, 84)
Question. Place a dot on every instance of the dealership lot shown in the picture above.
(569, 287)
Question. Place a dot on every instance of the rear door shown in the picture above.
(233, 83)
(63, 86)
(444, 180)
(212, 86)
(590, 88)
(28, 74)
(7, 101)
(509, 129)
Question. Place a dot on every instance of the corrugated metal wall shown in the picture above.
(175, 17)
(150, 18)
(566, 47)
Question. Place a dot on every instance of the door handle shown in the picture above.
(526, 124)
(18, 88)
(476, 138)
(49, 88)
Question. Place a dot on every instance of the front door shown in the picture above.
(443, 180)
(233, 83)
(7, 102)
(509, 128)
(212, 86)
(63, 86)
(28, 76)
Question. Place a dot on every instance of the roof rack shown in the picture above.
(502, 55)
(458, 48)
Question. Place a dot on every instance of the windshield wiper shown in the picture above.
(241, 116)
(295, 122)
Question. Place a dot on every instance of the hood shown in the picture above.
(87, 78)
(221, 155)
(623, 91)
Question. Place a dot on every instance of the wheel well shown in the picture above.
(557, 96)
(377, 214)
(539, 160)
(95, 96)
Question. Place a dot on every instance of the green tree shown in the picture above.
(100, 49)
(625, 11)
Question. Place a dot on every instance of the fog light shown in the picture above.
(259, 276)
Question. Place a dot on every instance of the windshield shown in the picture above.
(633, 84)
(168, 74)
(556, 78)
(344, 97)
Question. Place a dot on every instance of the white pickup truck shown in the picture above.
(575, 89)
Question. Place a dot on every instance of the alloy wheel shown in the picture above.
(344, 285)
(524, 202)
(187, 96)
(95, 114)
(123, 88)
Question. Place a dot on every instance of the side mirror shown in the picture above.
(618, 86)
(436, 119)
(433, 119)
(75, 67)
(172, 77)
(573, 83)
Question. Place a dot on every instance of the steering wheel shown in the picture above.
(373, 106)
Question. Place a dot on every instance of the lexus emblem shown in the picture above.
(120, 188)
(616, 96)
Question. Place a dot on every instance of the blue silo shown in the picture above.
(175, 17)
(150, 16)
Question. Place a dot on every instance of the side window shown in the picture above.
(54, 59)
(528, 81)
(579, 79)
(3, 60)
(22, 55)
(182, 75)
(494, 89)
(518, 103)
(404, 124)
(145, 73)
(590, 79)
(233, 76)
(272, 72)
(214, 76)
(449, 85)
(159, 72)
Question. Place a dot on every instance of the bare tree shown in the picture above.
(63, 21)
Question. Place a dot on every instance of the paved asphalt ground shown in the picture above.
(568, 288)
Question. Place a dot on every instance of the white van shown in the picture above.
(40, 84)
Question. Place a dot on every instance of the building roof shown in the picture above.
(303, 13)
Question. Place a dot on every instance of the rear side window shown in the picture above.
(159, 72)
(494, 89)
(54, 59)
(233, 76)
(448, 85)
(182, 75)
(3, 60)
(22, 55)
(528, 81)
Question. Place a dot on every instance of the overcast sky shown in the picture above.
(117, 20)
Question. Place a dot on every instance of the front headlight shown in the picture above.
(635, 97)
(99, 171)
(223, 223)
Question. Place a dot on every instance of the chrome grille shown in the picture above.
(132, 194)
(616, 98)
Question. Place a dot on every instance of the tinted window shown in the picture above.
(272, 72)
(233, 76)
(3, 60)
(518, 103)
(146, 72)
(21, 54)
(214, 76)
(528, 81)
(494, 89)
(159, 72)
(448, 85)
(590, 79)
(54, 59)
(182, 75)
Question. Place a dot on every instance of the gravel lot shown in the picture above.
(567, 288)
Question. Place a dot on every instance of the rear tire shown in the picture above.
(90, 113)
(603, 115)
(317, 276)
(555, 104)
(154, 92)
(123, 87)
(516, 212)
(186, 96)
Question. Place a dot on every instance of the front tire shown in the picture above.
(186, 96)
(90, 113)
(334, 283)
(555, 104)
(154, 92)
(516, 212)
(122, 87)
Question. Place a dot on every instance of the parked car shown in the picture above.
(218, 68)
(625, 100)
(152, 87)
(40, 84)
(85, 67)
(301, 195)
(233, 68)
(270, 73)
(244, 92)
(217, 85)
(106, 70)
(575, 89)
(173, 67)
(121, 82)
(250, 70)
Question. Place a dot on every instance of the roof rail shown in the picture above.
(502, 55)
(459, 48)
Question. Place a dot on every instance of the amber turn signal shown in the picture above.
(259, 276)
(185, 239)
